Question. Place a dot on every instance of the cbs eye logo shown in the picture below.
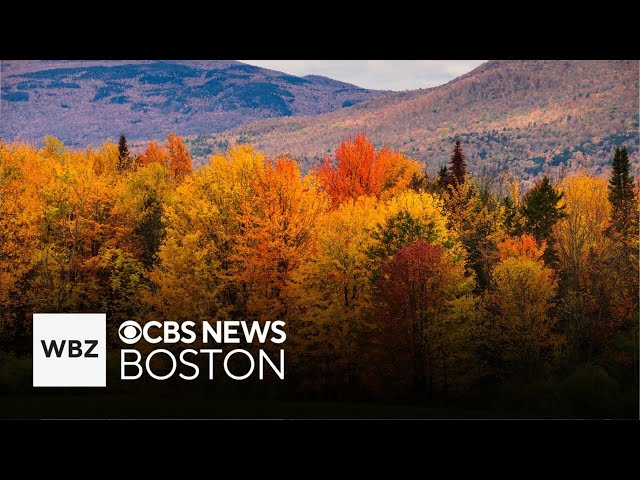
(130, 332)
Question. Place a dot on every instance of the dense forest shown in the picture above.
(394, 285)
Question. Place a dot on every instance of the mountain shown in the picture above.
(86, 102)
(525, 117)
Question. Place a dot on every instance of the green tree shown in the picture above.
(476, 220)
(512, 217)
(124, 160)
(419, 181)
(623, 259)
(541, 211)
(621, 194)
(141, 204)
(121, 279)
(400, 230)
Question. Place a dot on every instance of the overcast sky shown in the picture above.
(377, 74)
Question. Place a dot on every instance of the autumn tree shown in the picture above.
(360, 170)
(458, 165)
(277, 222)
(69, 197)
(78, 222)
(202, 223)
(580, 232)
(524, 246)
(179, 159)
(421, 288)
(330, 318)
(541, 210)
(21, 172)
(155, 153)
(410, 217)
(518, 325)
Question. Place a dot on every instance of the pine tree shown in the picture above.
(441, 181)
(124, 161)
(623, 258)
(458, 164)
(541, 212)
(621, 193)
(511, 216)
(419, 181)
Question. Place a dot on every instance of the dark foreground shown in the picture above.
(120, 406)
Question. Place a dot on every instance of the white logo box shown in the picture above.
(76, 343)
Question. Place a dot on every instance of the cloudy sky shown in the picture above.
(377, 74)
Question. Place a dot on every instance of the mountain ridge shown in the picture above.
(527, 117)
(88, 101)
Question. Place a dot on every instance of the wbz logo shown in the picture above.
(69, 350)
(75, 348)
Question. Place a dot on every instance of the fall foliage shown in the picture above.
(361, 170)
(385, 288)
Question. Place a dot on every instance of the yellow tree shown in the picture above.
(596, 302)
(582, 231)
(68, 198)
(20, 175)
(330, 318)
(201, 222)
(76, 224)
(520, 330)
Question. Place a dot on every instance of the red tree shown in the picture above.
(416, 287)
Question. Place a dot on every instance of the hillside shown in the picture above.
(528, 117)
(86, 102)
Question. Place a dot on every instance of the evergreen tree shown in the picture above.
(458, 165)
(477, 223)
(441, 181)
(623, 258)
(511, 217)
(540, 212)
(621, 193)
(419, 181)
(124, 160)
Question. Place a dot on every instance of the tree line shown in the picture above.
(391, 283)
